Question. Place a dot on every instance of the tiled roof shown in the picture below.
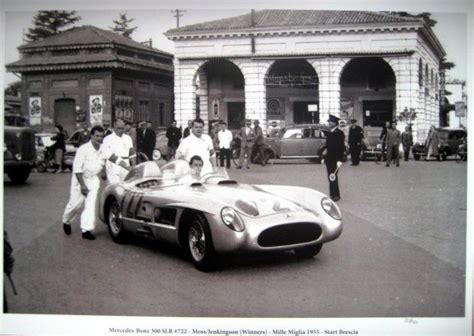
(83, 61)
(87, 35)
(294, 18)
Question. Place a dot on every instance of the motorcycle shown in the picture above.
(45, 160)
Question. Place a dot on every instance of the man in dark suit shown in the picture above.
(334, 155)
(356, 134)
(146, 139)
(173, 134)
(247, 140)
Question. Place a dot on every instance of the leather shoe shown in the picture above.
(88, 235)
(67, 228)
(335, 198)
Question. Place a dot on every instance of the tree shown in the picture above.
(13, 89)
(122, 26)
(49, 23)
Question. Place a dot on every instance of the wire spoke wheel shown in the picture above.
(200, 246)
(197, 241)
(116, 228)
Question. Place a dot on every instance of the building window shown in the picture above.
(143, 110)
(420, 73)
(162, 114)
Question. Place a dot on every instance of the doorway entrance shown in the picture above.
(235, 115)
(65, 114)
(302, 114)
(377, 112)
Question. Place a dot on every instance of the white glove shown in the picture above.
(339, 164)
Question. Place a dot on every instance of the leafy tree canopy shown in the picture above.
(13, 88)
(122, 26)
(49, 23)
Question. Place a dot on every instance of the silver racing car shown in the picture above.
(213, 215)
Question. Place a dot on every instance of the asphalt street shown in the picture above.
(402, 253)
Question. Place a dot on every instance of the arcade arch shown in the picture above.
(368, 91)
(219, 93)
(292, 93)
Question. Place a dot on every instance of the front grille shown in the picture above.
(289, 234)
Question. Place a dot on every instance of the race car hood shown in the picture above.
(250, 200)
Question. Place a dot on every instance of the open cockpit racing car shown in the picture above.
(213, 215)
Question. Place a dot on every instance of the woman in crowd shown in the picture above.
(58, 148)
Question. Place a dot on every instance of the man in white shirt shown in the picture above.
(197, 143)
(120, 145)
(224, 136)
(88, 164)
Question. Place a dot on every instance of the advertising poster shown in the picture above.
(35, 111)
(96, 109)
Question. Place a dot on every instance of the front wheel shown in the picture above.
(116, 228)
(42, 167)
(308, 251)
(19, 175)
(235, 156)
(201, 249)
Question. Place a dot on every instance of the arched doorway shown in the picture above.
(220, 94)
(292, 92)
(368, 91)
(65, 113)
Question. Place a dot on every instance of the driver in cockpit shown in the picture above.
(195, 164)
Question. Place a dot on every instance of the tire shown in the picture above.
(42, 167)
(19, 175)
(416, 156)
(269, 155)
(199, 244)
(235, 156)
(157, 154)
(114, 220)
(309, 251)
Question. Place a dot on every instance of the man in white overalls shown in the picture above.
(121, 145)
(87, 167)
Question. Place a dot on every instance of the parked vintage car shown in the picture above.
(215, 215)
(306, 141)
(18, 153)
(449, 141)
(371, 145)
(161, 146)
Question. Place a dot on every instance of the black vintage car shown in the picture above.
(18, 153)
(449, 141)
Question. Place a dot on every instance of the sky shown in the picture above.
(451, 29)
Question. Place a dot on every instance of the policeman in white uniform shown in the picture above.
(121, 145)
(200, 144)
(88, 164)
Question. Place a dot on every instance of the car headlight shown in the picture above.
(232, 219)
(331, 208)
(156, 154)
(18, 156)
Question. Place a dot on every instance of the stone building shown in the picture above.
(87, 74)
(298, 66)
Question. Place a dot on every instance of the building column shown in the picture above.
(185, 91)
(254, 72)
(407, 91)
(329, 74)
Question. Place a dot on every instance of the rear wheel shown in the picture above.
(235, 156)
(116, 228)
(416, 156)
(309, 251)
(201, 249)
(42, 167)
